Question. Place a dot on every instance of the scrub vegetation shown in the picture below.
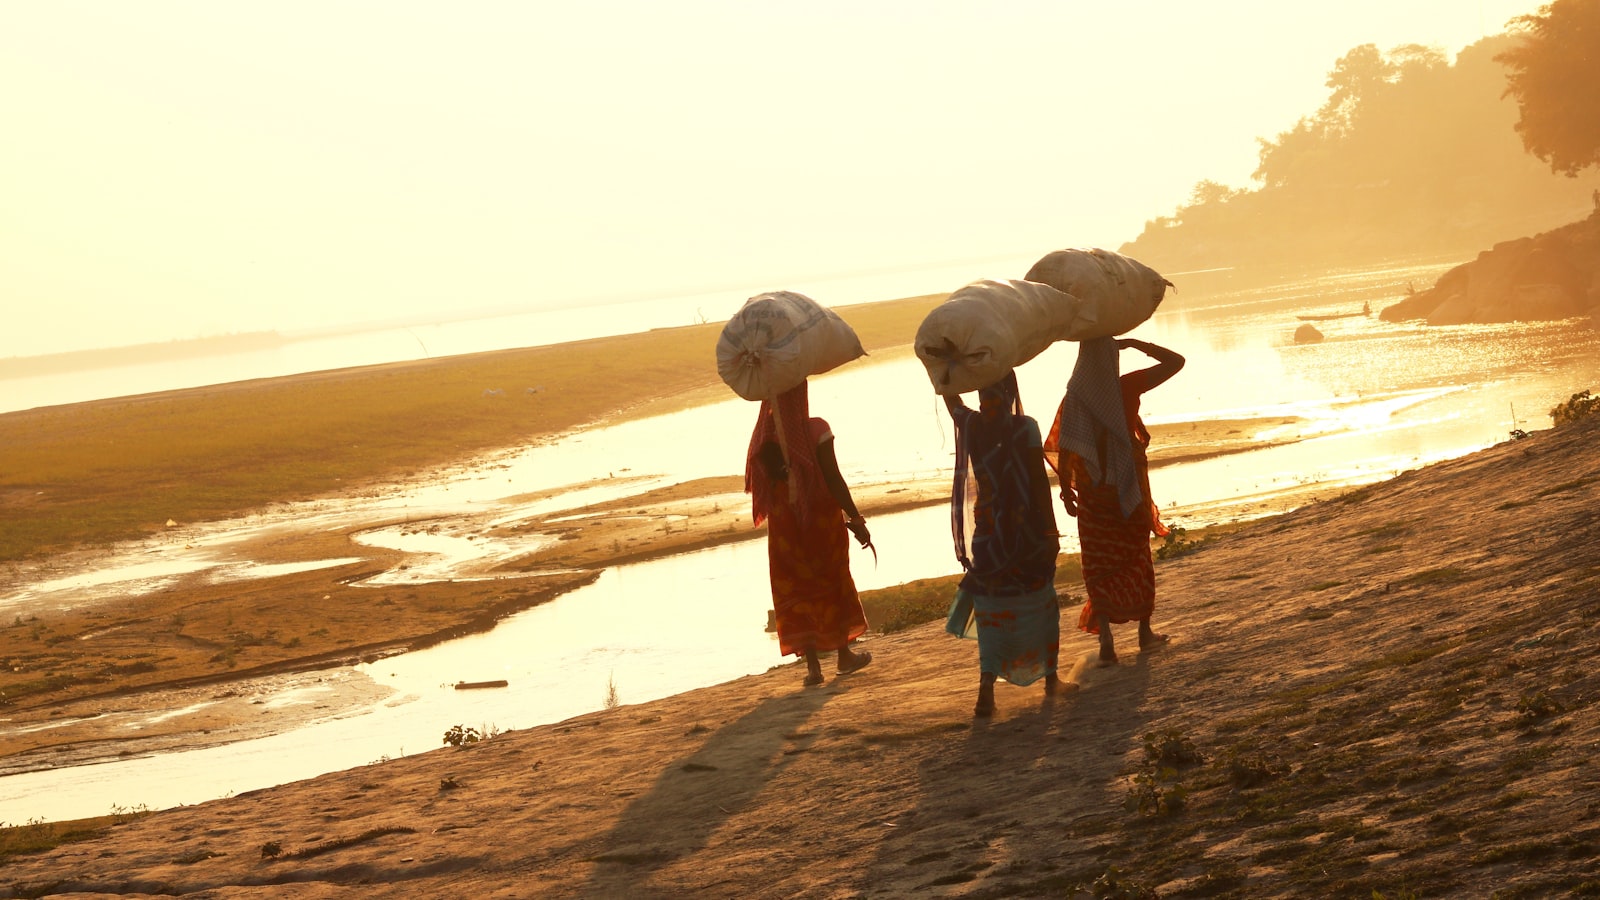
(1578, 406)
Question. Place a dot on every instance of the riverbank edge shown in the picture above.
(1279, 745)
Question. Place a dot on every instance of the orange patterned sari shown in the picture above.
(809, 561)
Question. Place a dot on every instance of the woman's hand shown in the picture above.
(1069, 501)
(858, 528)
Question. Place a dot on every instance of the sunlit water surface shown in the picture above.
(1371, 400)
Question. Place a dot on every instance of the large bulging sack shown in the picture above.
(987, 328)
(779, 339)
(1115, 294)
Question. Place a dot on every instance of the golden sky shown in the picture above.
(180, 169)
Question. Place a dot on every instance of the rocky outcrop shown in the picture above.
(1555, 275)
(1307, 334)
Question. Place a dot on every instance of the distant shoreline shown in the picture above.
(137, 354)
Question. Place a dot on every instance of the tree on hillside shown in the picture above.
(1554, 74)
(1208, 191)
(1355, 77)
(1361, 81)
(1409, 154)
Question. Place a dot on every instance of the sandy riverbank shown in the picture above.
(199, 660)
(204, 661)
(1392, 691)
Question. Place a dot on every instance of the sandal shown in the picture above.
(859, 663)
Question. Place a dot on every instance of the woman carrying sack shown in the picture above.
(1006, 541)
(795, 486)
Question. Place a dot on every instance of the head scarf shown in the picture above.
(991, 428)
(1091, 408)
(785, 420)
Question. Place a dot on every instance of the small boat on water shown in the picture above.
(474, 685)
(1366, 310)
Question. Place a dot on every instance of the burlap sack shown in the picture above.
(988, 328)
(1116, 294)
(777, 340)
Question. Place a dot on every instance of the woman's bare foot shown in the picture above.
(813, 669)
(1108, 648)
(985, 706)
(1149, 639)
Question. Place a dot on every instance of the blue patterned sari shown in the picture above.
(1005, 537)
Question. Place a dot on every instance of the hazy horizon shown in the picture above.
(183, 169)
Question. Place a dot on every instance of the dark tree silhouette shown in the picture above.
(1554, 74)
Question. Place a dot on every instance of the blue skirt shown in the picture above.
(1019, 638)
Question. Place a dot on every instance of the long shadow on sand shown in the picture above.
(700, 793)
(1014, 805)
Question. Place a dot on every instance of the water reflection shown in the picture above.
(651, 630)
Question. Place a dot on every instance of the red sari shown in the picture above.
(1118, 573)
(808, 556)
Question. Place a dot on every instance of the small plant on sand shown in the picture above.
(1156, 793)
(1177, 543)
(1578, 406)
(36, 836)
(1536, 707)
(612, 700)
(460, 736)
(122, 815)
(1169, 748)
(35, 832)
(1246, 770)
(905, 606)
(271, 850)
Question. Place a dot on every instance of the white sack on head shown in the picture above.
(1116, 294)
(987, 328)
(779, 339)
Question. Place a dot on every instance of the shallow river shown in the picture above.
(1371, 400)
